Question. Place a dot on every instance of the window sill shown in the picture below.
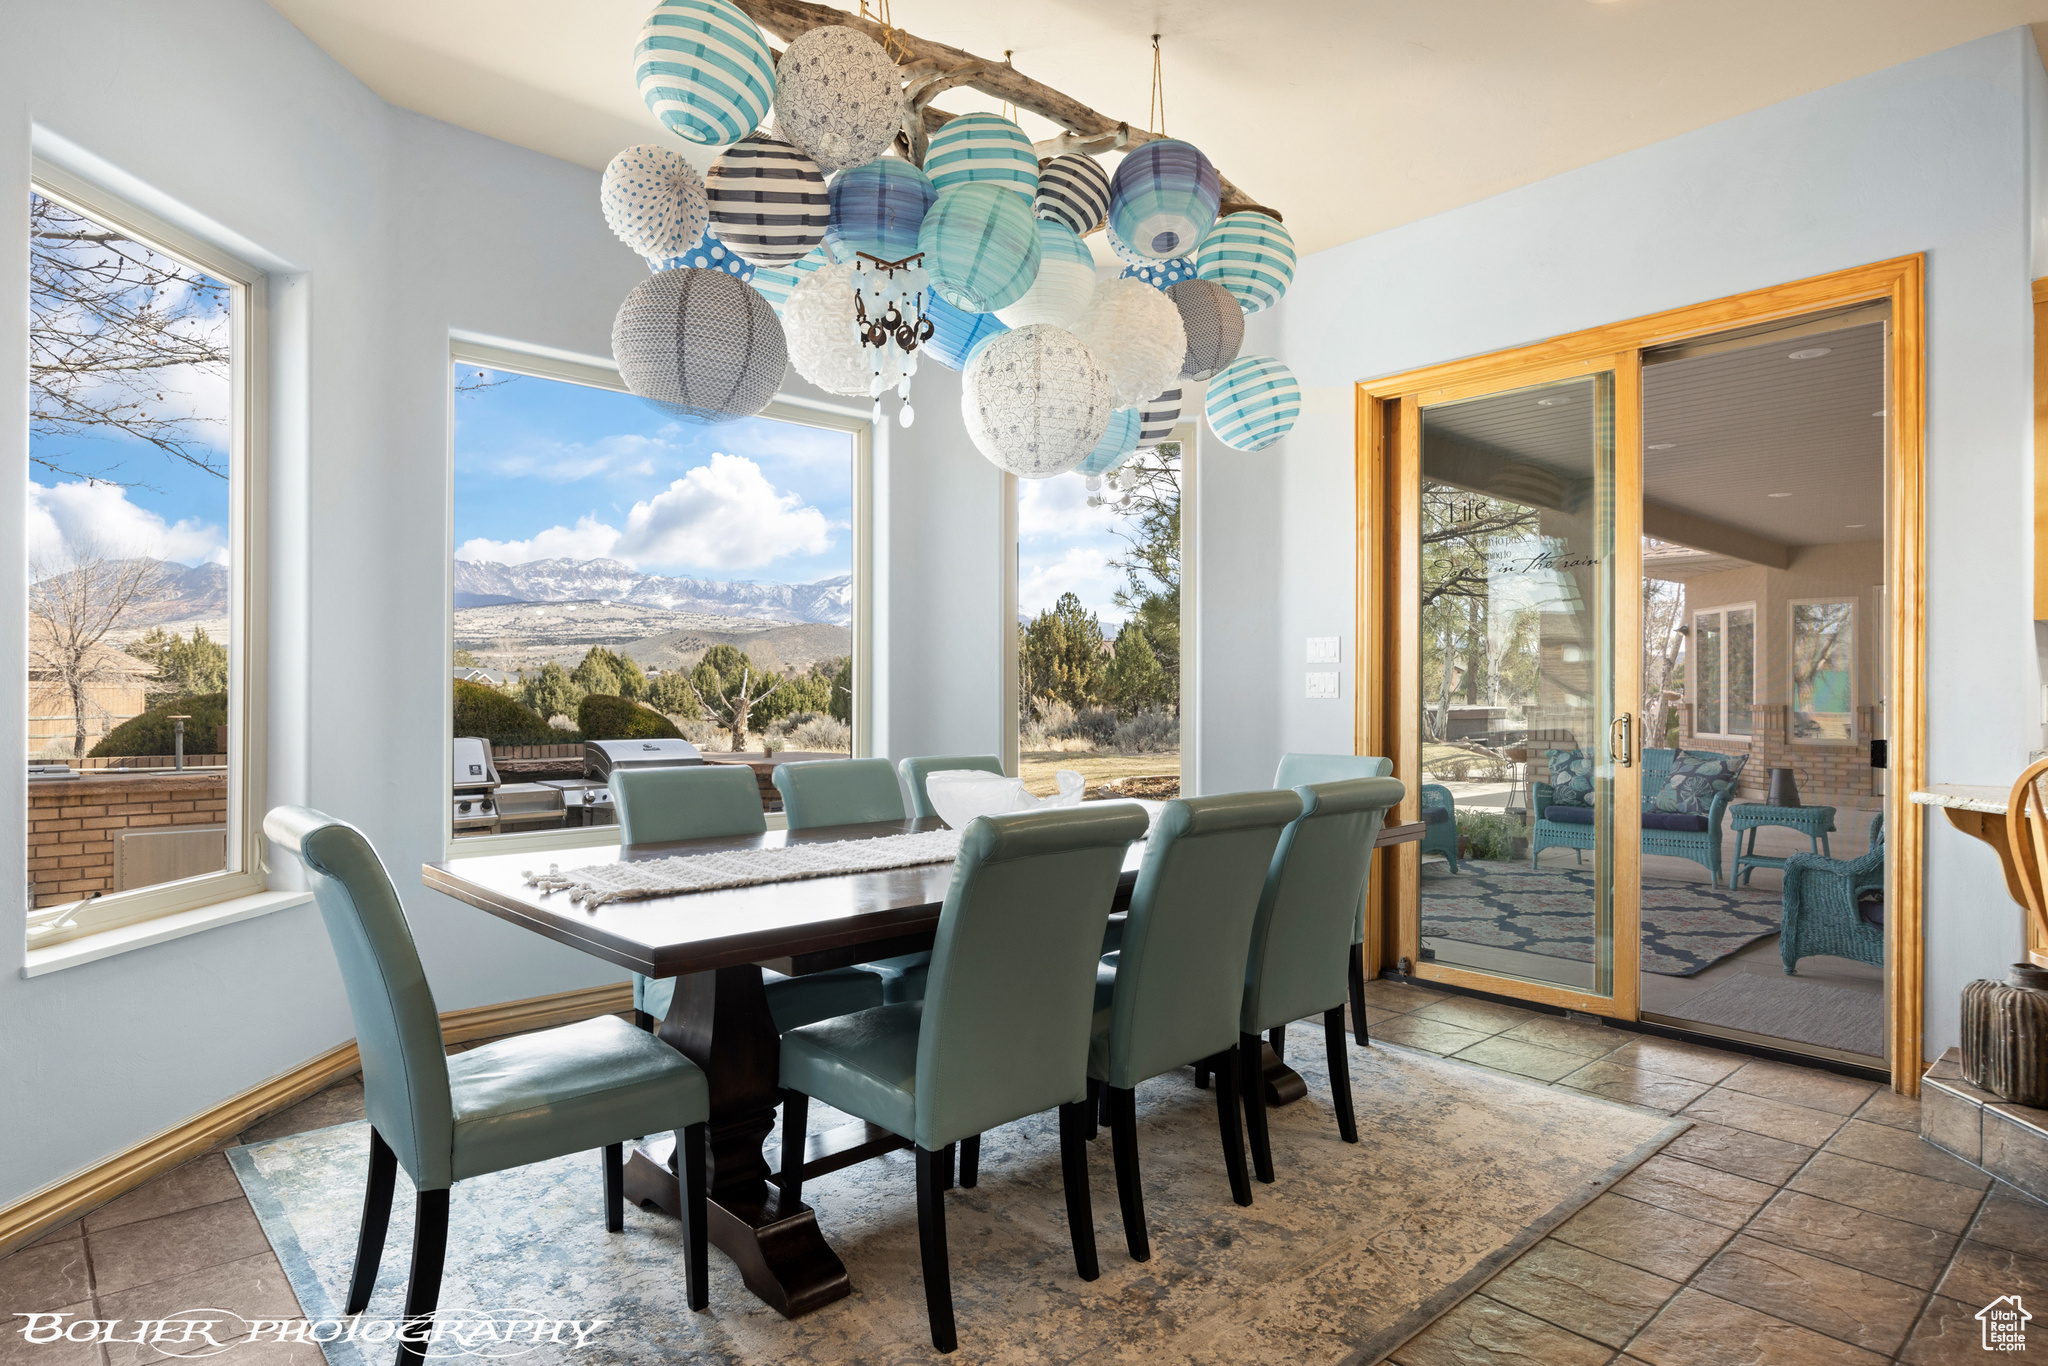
(93, 947)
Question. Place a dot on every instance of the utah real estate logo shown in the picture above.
(2005, 1324)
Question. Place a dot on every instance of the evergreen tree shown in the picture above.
(184, 667)
(1134, 680)
(600, 673)
(840, 687)
(672, 695)
(552, 692)
(731, 687)
(1061, 654)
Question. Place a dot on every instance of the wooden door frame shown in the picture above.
(1387, 413)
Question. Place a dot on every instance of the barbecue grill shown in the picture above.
(601, 757)
(475, 787)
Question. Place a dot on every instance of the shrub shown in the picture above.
(1096, 725)
(698, 730)
(1486, 836)
(1151, 731)
(153, 733)
(498, 717)
(602, 716)
(827, 733)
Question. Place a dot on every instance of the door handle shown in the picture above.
(1621, 740)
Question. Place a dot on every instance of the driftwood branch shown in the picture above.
(937, 66)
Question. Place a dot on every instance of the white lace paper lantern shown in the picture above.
(1157, 418)
(824, 335)
(654, 201)
(768, 200)
(838, 96)
(1065, 282)
(699, 344)
(1074, 190)
(1253, 403)
(1214, 325)
(1136, 335)
(704, 70)
(1035, 402)
(1251, 255)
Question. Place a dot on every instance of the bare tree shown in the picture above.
(75, 599)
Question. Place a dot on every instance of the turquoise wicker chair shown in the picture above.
(1440, 822)
(1701, 846)
(1821, 902)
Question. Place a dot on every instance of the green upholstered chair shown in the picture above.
(1297, 769)
(1002, 1031)
(915, 771)
(1299, 937)
(853, 792)
(1172, 995)
(656, 805)
(506, 1104)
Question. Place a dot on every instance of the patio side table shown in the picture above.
(1815, 822)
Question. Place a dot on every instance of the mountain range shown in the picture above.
(484, 583)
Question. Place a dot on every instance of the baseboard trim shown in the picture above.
(30, 1217)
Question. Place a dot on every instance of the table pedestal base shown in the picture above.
(1284, 1085)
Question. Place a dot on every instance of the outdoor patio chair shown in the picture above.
(1440, 822)
(1677, 834)
(1835, 906)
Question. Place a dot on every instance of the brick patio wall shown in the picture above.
(72, 824)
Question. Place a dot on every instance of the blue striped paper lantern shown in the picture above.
(704, 70)
(1074, 190)
(980, 246)
(708, 254)
(877, 208)
(1065, 282)
(1250, 255)
(976, 147)
(767, 200)
(1158, 417)
(1163, 198)
(956, 333)
(1118, 444)
(1253, 403)
(776, 282)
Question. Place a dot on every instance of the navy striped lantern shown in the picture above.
(705, 70)
(878, 208)
(1074, 190)
(1250, 255)
(976, 147)
(767, 199)
(956, 333)
(708, 254)
(774, 283)
(1253, 403)
(1118, 444)
(1158, 417)
(1163, 198)
(980, 246)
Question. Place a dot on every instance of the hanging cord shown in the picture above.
(1009, 110)
(893, 41)
(1155, 112)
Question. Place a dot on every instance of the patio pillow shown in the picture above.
(1571, 777)
(1697, 777)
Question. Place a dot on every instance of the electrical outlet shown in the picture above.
(1322, 649)
(1325, 685)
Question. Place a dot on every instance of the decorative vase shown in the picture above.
(1784, 788)
(2005, 1036)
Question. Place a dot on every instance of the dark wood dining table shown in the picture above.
(716, 943)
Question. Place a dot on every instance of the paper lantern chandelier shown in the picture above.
(1214, 325)
(825, 339)
(767, 200)
(1163, 197)
(653, 201)
(956, 333)
(980, 244)
(775, 283)
(708, 254)
(1074, 190)
(700, 344)
(838, 96)
(1251, 255)
(983, 147)
(1035, 402)
(1253, 403)
(1119, 442)
(704, 70)
(1157, 417)
(1065, 282)
(877, 209)
(1136, 335)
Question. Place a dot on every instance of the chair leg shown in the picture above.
(796, 1118)
(970, 1162)
(1354, 967)
(423, 1290)
(642, 1020)
(1130, 1188)
(946, 1158)
(696, 1252)
(1340, 1074)
(1094, 1103)
(614, 1188)
(376, 1222)
(931, 1246)
(1074, 1176)
(1277, 1036)
(1251, 1085)
(1231, 1123)
(1202, 1075)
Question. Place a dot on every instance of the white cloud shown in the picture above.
(1059, 507)
(1083, 571)
(564, 462)
(589, 539)
(64, 517)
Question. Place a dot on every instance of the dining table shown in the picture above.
(717, 943)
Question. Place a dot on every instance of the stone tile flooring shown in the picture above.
(1801, 1220)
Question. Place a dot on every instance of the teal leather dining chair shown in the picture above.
(1002, 1031)
(853, 792)
(1299, 769)
(656, 805)
(1174, 992)
(506, 1104)
(1301, 934)
(916, 770)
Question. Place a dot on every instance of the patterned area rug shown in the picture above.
(1351, 1252)
(1687, 926)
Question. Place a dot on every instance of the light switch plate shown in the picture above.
(1322, 649)
(1325, 685)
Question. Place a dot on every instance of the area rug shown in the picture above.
(1687, 926)
(1355, 1248)
(1793, 1008)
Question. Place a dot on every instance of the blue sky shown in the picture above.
(547, 469)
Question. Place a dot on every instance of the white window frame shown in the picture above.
(1792, 607)
(1692, 680)
(248, 616)
(540, 364)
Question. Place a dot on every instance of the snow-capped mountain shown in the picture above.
(482, 583)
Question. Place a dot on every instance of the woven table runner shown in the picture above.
(595, 885)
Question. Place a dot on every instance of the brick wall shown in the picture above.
(1828, 775)
(72, 824)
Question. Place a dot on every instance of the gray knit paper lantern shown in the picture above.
(1035, 401)
(1214, 324)
(700, 344)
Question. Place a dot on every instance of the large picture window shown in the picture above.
(1724, 669)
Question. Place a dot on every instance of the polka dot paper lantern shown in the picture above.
(767, 200)
(1034, 401)
(1136, 335)
(1162, 274)
(653, 201)
(708, 254)
(1253, 403)
(1214, 325)
(824, 341)
(981, 247)
(878, 208)
(838, 97)
(1065, 282)
(700, 344)
(1074, 190)
(956, 333)
(1250, 255)
(704, 70)
(1119, 442)
(775, 283)
(1163, 197)
(1157, 417)
(978, 147)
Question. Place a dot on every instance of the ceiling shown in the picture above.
(1348, 117)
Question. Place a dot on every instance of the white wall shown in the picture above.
(1930, 156)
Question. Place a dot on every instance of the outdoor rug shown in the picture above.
(1354, 1250)
(1687, 926)
(1793, 1008)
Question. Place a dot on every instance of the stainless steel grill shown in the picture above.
(601, 757)
(475, 787)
